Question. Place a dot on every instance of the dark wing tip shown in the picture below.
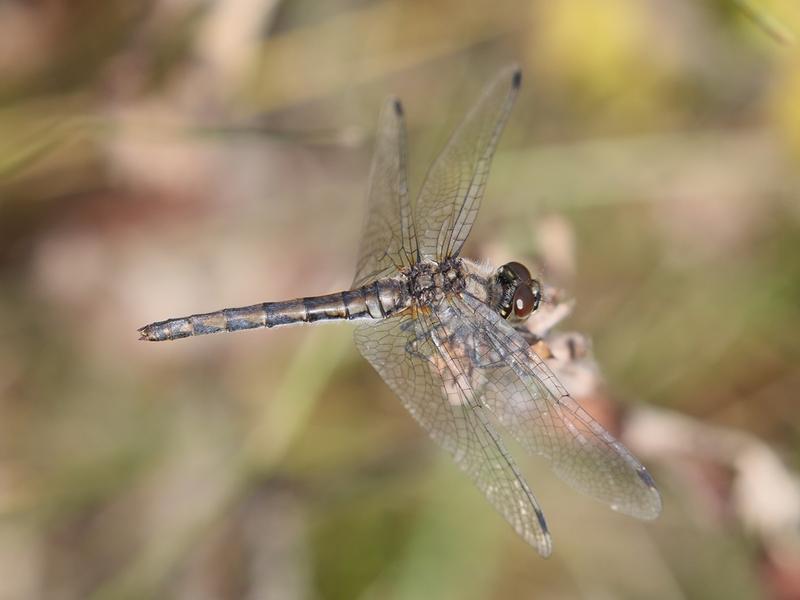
(646, 477)
(516, 78)
(654, 506)
(398, 107)
(544, 546)
(542, 522)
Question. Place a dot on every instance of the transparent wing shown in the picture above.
(387, 241)
(528, 400)
(418, 365)
(451, 194)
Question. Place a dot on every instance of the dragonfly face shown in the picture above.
(445, 332)
(521, 294)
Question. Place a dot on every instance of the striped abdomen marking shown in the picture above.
(371, 302)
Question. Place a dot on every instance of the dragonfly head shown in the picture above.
(521, 294)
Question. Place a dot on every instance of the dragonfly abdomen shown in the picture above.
(374, 301)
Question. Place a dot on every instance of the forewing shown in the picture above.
(387, 239)
(451, 194)
(528, 400)
(412, 359)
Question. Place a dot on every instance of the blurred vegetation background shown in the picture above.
(167, 157)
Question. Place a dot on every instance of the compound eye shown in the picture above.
(524, 301)
(520, 271)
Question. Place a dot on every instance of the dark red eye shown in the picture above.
(523, 301)
(520, 271)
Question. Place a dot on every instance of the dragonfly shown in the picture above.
(447, 334)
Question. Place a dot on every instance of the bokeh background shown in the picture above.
(167, 157)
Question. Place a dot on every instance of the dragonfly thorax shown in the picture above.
(430, 281)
